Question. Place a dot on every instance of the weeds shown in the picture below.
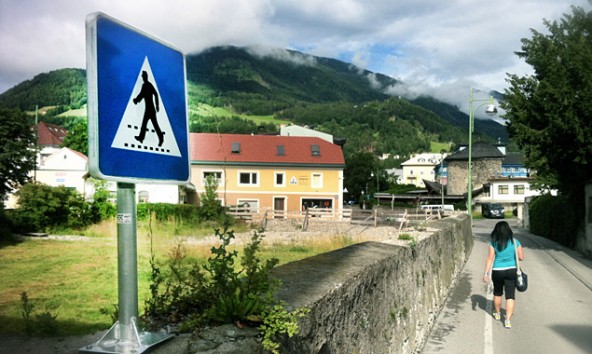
(45, 323)
(405, 237)
(191, 295)
(27, 309)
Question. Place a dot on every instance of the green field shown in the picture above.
(436, 147)
(202, 110)
(75, 279)
(209, 111)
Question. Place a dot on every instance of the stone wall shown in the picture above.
(375, 297)
(483, 169)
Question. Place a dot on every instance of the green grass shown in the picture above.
(436, 147)
(76, 279)
(80, 112)
(208, 111)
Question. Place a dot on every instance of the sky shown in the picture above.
(439, 48)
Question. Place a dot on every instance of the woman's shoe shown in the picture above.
(497, 316)
(507, 324)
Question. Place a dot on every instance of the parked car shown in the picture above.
(492, 210)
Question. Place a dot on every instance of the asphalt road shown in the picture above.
(553, 316)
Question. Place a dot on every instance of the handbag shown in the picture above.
(521, 277)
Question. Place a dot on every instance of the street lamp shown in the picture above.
(491, 110)
(377, 182)
(441, 173)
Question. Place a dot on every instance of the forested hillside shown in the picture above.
(237, 90)
(266, 85)
(65, 88)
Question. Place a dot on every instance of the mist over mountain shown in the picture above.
(332, 95)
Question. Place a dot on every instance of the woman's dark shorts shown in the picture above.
(504, 279)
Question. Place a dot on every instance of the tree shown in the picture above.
(358, 169)
(77, 138)
(549, 112)
(211, 209)
(17, 155)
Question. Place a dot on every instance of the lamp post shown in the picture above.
(441, 172)
(377, 182)
(491, 110)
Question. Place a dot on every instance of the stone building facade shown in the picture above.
(487, 162)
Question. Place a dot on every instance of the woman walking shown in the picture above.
(502, 263)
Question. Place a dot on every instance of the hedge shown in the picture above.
(555, 218)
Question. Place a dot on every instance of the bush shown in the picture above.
(5, 225)
(164, 212)
(220, 291)
(554, 218)
(42, 207)
(101, 205)
(211, 209)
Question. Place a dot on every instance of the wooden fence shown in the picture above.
(375, 217)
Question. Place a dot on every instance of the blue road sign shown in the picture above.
(138, 127)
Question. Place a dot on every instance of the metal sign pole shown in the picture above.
(124, 336)
(127, 260)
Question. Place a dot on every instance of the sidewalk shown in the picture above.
(573, 261)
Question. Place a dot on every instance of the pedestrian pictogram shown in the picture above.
(145, 125)
(137, 106)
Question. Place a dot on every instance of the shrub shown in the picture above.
(555, 218)
(103, 209)
(164, 212)
(211, 209)
(42, 207)
(220, 291)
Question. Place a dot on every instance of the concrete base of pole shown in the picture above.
(126, 339)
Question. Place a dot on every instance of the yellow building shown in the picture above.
(274, 173)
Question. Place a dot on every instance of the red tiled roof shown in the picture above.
(50, 134)
(262, 149)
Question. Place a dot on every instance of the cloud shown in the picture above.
(281, 54)
(425, 43)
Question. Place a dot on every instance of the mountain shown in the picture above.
(457, 118)
(336, 97)
(276, 81)
(64, 87)
(282, 76)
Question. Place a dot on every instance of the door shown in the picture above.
(279, 205)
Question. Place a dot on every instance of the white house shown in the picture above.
(63, 167)
(296, 130)
(508, 190)
(420, 167)
(69, 168)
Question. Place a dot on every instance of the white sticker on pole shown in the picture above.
(124, 218)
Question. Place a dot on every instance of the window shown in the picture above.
(503, 189)
(236, 148)
(315, 150)
(213, 174)
(248, 179)
(519, 189)
(279, 150)
(317, 180)
(280, 179)
(143, 197)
